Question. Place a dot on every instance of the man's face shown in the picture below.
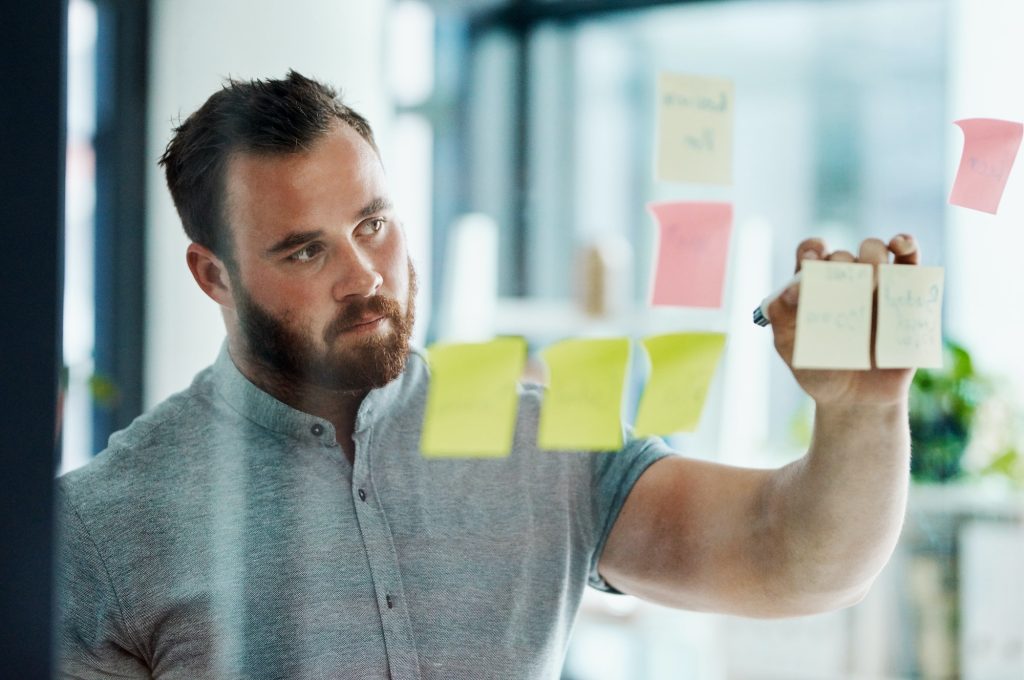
(322, 284)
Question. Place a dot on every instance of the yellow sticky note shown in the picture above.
(682, 366)
(694, 138)
(909, 330)
(473, 399)
(582, 407)
(833, 317)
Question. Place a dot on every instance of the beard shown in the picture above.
(291, 358)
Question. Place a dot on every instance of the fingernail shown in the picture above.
(810, 255)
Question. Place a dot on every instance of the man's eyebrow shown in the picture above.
(293, 240)
(377, 205)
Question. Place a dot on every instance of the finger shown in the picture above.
(782, 312)
(841, 256)
(783, 306)
(873, 251)
(810, 249)
(905, 248)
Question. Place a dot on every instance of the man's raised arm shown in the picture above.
(808, 537)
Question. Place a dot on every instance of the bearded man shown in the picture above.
(276, 518)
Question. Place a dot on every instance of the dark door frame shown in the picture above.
(32, 146)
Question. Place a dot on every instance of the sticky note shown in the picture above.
(694, 129)
(833, 317)
(692, 253)
(682, 366)
(582, 407)
(472, 399)
(909, 329)
(990, 147)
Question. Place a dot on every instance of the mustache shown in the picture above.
(358, 312)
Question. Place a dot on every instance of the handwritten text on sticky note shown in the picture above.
(695, 118)
(909, 331)
(693, 251)
(990, 147)
(833, 317)
(473, 399)
(682, 366)
(582, 409)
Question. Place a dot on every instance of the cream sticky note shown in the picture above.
(694, 129)
(473, 398)
(682, 366)
(990, 147)
(693, 251)
(582, 409)
(833, 317)
(909, 329)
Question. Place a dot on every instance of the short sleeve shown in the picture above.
(614, 476)
(91, 637)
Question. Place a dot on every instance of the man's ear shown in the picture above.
(211, 274)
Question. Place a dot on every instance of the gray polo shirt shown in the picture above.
(225, 535)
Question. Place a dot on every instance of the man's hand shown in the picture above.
(843, 387)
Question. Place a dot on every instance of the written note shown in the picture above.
(694, 129)
(472, 399)
(693, 250)
(682, 366)
(909, 332)
(833, 317)
(582, 407)
(990, 147)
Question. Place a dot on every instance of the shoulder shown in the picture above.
(154, 447)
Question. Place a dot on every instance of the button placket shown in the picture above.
(383, 560)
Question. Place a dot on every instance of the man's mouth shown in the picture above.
(367, 324)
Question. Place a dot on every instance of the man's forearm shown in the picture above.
(833, 517)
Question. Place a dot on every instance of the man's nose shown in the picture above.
(357, 275)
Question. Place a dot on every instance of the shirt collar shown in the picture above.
(267, 411)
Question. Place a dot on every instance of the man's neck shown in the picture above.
(339, 407)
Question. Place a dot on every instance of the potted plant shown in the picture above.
(943, 407)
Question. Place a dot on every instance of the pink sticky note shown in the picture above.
(693, 248)
(990, 147)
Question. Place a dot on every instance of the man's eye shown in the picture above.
(307, 253)
(372, 226)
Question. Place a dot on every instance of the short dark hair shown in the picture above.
(252, 116)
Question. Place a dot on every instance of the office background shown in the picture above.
(536, 119)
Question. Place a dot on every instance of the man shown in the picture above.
(276, 520)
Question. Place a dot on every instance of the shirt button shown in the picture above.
(317, 429)
(362, 495)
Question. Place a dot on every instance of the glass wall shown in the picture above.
(842, 130)
(839, 132)
(520, 147)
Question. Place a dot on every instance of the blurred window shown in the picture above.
(105, 214)
(79, 297)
